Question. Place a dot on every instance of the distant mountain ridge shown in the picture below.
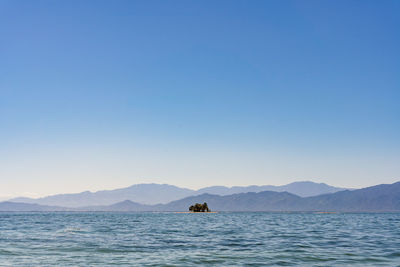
(151, 194)
(302, 189)
(14, 206)
(379, 198)
(143, 193)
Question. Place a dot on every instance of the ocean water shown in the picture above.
(214, 239)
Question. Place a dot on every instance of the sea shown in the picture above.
(199, 239)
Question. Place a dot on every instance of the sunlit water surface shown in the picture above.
(221, 239)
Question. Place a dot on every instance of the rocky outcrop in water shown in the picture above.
(199, 207)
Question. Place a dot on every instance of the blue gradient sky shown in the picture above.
(105, 94)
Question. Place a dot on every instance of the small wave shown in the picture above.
(71, 230)
(4, 252)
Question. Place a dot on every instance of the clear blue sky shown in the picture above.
(105, 94)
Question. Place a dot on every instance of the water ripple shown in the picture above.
(222, 239)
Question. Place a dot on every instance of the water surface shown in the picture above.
(221, 239)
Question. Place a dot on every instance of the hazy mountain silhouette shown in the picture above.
(303, 189)
(379, 198)
(125, 205)
(141, 193)
(261, 201)
(151, 194)
(376, 198)
(13, 206)
(384, 197)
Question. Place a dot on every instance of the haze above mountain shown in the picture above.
(151, 194)
(379, 198)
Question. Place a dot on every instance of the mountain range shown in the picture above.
(371, 199)
(151, 194)
(379, 198)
